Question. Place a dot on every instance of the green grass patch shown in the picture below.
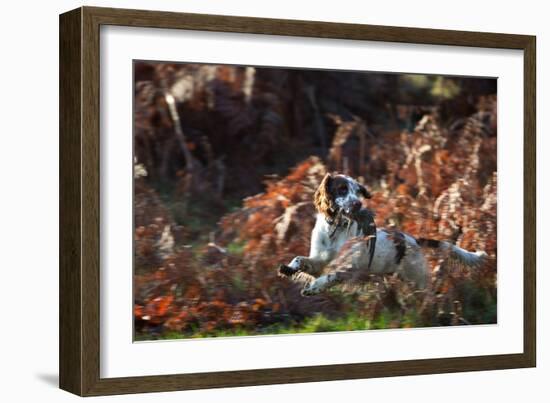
(315, 324)
(236, 247)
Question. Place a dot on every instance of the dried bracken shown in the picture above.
(204, 267)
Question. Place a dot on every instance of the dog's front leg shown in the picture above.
(302, 269)
(300, 264)
(317, 286)
(311, 265)
(294, 272)
(325, 282)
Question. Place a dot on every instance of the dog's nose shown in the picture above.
(356, 205)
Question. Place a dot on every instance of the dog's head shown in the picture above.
(339, 194)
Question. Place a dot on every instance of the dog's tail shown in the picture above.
(472, 259)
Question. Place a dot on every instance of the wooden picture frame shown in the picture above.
(80, 200)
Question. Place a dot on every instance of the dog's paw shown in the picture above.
(287, 271)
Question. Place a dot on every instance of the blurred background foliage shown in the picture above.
(226, 162)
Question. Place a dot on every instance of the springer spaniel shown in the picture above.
(347, 246)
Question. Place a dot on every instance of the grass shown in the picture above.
(319, 323)
(315, 324)
(236, 247)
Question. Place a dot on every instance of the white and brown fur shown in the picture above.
(346, 248)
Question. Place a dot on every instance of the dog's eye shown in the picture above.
(342, 190)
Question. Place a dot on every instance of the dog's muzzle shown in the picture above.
(352, 208)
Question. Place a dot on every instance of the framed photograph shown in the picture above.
(251, 201)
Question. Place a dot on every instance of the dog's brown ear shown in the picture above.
(322, 199)
(364, 192)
